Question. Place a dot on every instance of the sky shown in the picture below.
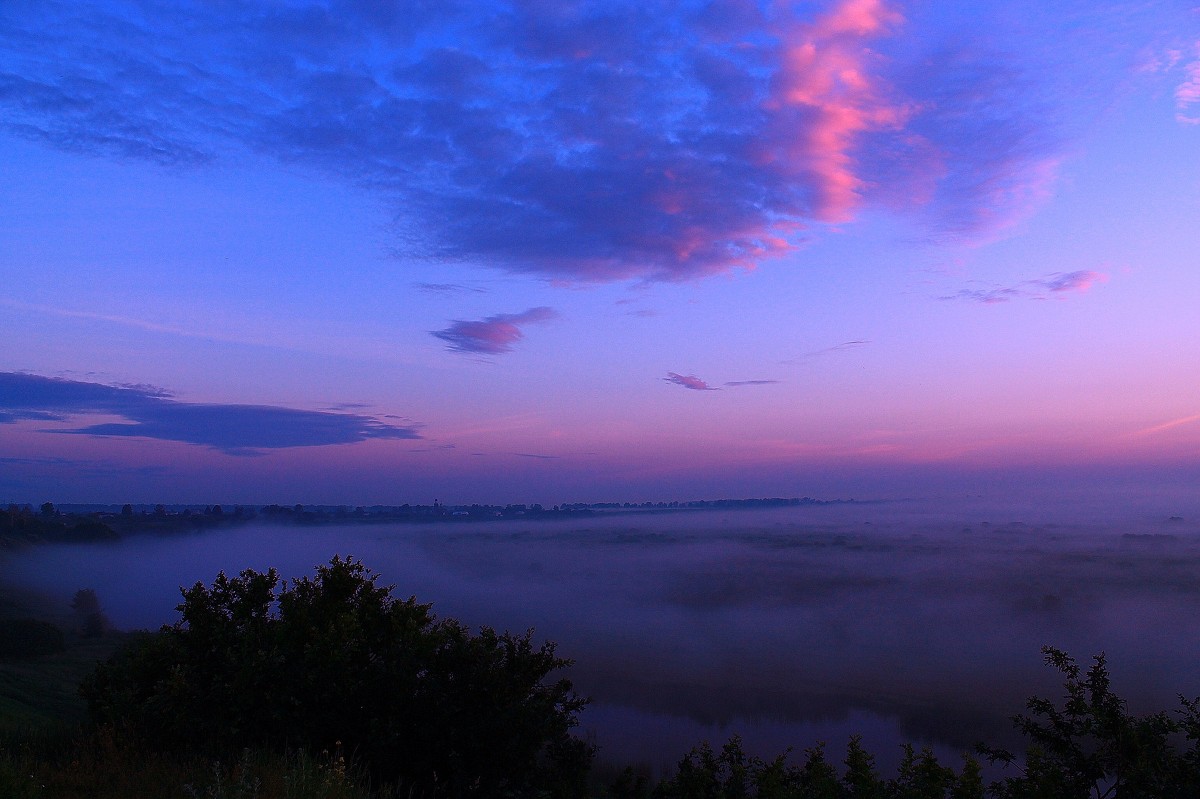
(352, 252)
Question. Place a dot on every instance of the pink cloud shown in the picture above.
(824, 98)
(689, 381)
(1187, 93)
(494, 335)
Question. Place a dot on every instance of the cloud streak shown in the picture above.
(494, 335)
(845, 345)
(448, 288)
(560, 140)
(150, 413)
(1058, 283)
(1158, 428)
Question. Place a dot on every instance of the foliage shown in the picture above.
(733, 774)
(1093, 747)
(1090, 747)
(335, 660)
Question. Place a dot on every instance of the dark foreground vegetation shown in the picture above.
(328, 686)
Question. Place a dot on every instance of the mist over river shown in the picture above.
(907, 620)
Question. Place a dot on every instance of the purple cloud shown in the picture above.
(584, 141)
(1080, 281)
(152, 413)
(689, 381)
(1037, 289)
(491, 336)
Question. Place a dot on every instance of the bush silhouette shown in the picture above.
(336, 659)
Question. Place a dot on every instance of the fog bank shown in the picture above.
(903, 618)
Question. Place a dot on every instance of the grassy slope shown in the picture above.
(44, 691)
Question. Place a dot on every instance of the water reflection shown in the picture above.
(788, 625)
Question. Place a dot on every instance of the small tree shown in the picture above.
(89, 616)
(335, 658)
(1092, 747)
(862, 780)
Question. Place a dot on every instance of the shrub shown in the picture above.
(732, 773)
(336, 659)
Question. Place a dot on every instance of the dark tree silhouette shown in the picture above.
(335, 658)
(1092, 746)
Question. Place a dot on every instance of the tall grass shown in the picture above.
(102, 764)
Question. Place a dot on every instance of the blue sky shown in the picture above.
(894, 238)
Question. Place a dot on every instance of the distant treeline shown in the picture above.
(22, 525)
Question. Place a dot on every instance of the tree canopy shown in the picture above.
(336, 659)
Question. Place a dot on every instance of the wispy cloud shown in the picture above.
(1187, 94)
(987, 296)
(125, 321)
(689, 381)
(491, 336)
(845, 345)
(432, 448)
(1079, 281)
(979, 152)
(751, 382)
(85, 468)
(1038, 289)
(1158, 428)
(449, 288)
(214, 332)
(150, 413)
(562, 140)
(350, 406)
